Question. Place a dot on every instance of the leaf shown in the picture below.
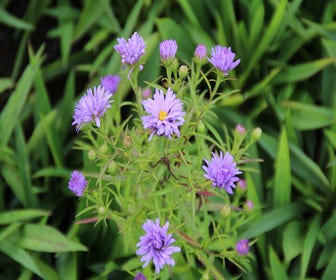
(11, 113)
(330, 270)
(292, 243)
(308, 116)
(296, 73)
(282, 181)
(28, 261)
(47, 239)
(277, 268)
(12, 216)
(308, 245)
(5, 83)
(12, 21)
(270, 220)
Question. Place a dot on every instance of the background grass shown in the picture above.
(52, 51)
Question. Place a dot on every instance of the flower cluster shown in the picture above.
(171, 114)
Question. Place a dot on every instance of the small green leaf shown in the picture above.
(308, 117)
(47, 239)
(282, 183)
(303, 71)
(270, 220)
(13, 216)
(12, 21)
(292, 242)
(278, 271)
(330, 270)
(309, 244)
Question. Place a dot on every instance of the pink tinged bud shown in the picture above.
(240, 129)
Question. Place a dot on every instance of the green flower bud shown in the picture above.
(127, 141)
(92, 155)
(226, 210)
(104, 149)
(201, 127)
(256, 133)
(183, 71)
(112, 167)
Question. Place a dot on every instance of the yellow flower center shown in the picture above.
(162, 115)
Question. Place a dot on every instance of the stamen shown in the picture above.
(162, 115)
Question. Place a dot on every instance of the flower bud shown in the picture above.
(256, 133)
(183, 71)
(104, 149)
(112, 167)
(201, 127)
(127, 141)
(226, 210)
(240, 129)
(92, 155)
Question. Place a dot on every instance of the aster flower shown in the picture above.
(222, 58)
(110, 83)
(166, 114)
(242, 247)
(91, 107)
(168, 50)
(140, 276)
(131, 50)
(77, 183)
(156, 245)
(200, 52)
(222, 171)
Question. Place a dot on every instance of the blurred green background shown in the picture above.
(51, 51)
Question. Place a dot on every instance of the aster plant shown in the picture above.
(153, 165)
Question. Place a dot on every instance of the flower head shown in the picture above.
(242, 247)
(166, 114)
(200, 52)
(110, 83)
(156, 245)
(140, 276)
(131, 50)
(91, 107)
(222, 171)
(222, 58)
(168, 50)
(77, 183)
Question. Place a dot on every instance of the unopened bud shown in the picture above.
(226, 210)
(112, 167)
(127, 141)
(240, 129)
(201, 127)
(183, 71)
(92, 155)
(103, 149)
(256, 133)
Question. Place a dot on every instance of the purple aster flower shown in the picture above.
(131, 50)
(222, 58)
(156, 245)
(77, 183)
(91, 107)
(222, 171)
(200, 52)
(168, 50)
(110, 83)
(242, 247)
(140, 276)
(166, 114)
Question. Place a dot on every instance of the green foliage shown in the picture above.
(288, 88)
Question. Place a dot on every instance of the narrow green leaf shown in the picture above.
(13, 216)
(308, 116)
(67, 266)
(330, 270)
(292, 243)
(10, 114)
(265, 39)
(296, 73)
(282, 181)
(24, 168)
(272, 219)
(21, 256)
(12, 21)
(47, 239)
(277, 268)
(13, 180)
(308, 245)
(5, 83)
